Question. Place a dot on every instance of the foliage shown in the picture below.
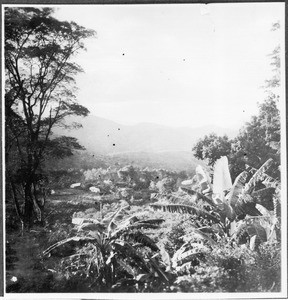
(256, 142)
(241, 202)
(166, 185)
(113, 254)
(235, 270)
(147, 230)
(192, 246)
(39, 94)
(212, 147)
(259, 139)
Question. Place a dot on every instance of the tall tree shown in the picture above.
(258, 140)
(39, 94)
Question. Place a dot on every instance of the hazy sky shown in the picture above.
(177, 65)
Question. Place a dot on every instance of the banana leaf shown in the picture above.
(222, 179)
(70, 242)
(199, 196)
(152, 221)
(130, 252)
(268, 181)
(234, 198)
(126, 267)
(188, 256)
(205, 236)
(179, 208)
(258, 176)
(246, 231)
(142, 238)
(237, 188)
(264, 197)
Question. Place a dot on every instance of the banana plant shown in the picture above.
(186, 257)
(111, 251)
(243, 199)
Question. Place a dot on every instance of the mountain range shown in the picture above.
(99, 135)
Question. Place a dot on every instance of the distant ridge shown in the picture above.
(104, 136)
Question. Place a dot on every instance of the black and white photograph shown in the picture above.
(144, 150)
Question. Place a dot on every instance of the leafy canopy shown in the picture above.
(39, 90)
(40, 75)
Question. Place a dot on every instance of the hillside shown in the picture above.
(103, 136)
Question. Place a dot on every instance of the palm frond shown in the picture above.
(188, 209)
(258, 175)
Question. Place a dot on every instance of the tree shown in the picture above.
(39, 94)
(258, 140)
(212, 147)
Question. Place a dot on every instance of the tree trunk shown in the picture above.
(16, 202)
(28, 207)
(39, 201)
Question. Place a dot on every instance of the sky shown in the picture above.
(176, 64)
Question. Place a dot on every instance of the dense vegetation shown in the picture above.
(108, 227)
(39, 94)
(142, 230)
